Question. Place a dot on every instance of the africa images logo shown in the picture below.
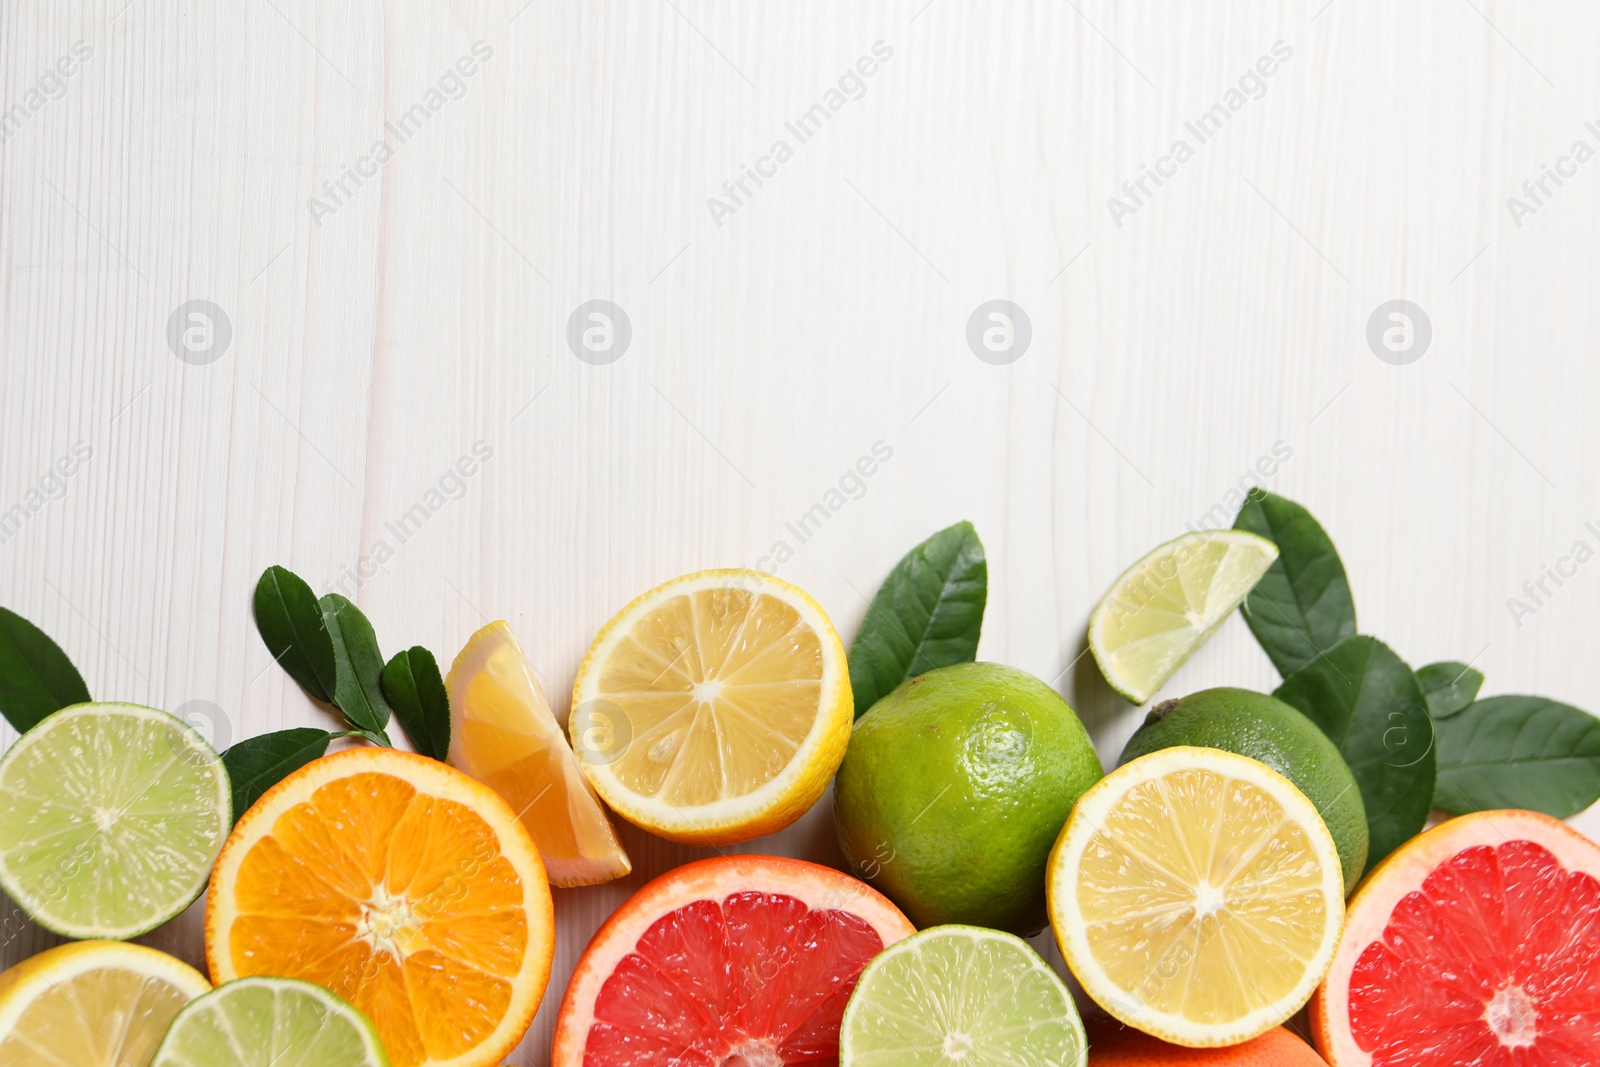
(450, 86)
(1252, 85)
(852, 85)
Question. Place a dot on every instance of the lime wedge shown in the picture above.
(270, 1022)
(1166, 605)
(961, 994)
(111, 816)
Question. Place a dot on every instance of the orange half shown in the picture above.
(402, 885)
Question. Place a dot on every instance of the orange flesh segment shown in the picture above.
(397, 901)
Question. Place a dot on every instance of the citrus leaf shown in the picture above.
(290, 622)
(416, 692)
(36, 677)
(1368, 702)
(1450, 687)
(257, 764)
(358, 689)
(1302, 606)
(1519, 752)
(928, 613)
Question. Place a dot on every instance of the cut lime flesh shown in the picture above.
(270, 1022)
(1165, 606)
(111, 816)
(961, 995)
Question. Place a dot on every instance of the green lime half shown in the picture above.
(961, 995)
(1167, 604)
(111, 816)
(270, 1022)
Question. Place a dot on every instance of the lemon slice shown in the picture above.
(1197, 896)
(92, 1004)
(1165, 606)
(503, 733)
(714, 708)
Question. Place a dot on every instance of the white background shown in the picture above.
(374, 346)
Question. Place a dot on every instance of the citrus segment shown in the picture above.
(110, 818)
(725, 697)
(742, 960)
(270, 1022)
(92, 1004)
(503, 733)
(1165, 606)
(961, 994)
(1475, 943)
(1197, 896)
(402, 885)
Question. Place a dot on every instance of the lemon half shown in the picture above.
(714, 708)
(1197, 896)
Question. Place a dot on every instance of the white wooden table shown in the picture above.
(380, 331)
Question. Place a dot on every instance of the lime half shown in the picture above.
(961, 995)
(1166, 605)
(270, 1022)
(111, 816)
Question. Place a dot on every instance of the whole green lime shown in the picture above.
(954, 789)
(1271, 732)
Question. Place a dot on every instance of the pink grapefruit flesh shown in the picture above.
(740, 962)
(1477, 944)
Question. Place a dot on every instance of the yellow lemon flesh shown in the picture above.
(92, 1004)
(1197, 896)
(714, 708)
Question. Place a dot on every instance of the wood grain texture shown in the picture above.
(374, 345)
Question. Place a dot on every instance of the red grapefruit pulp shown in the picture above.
(743, 961)
(1477, 944)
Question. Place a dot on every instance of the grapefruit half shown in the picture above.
(1475, 944)
(739, 960)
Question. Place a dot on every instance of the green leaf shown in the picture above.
(36, 677)
(416, 692)
(1302, 606)
(1519, 752)
(927, 614)
(1368, 702)
(290, 622)
(257, 764)
(1449, 687)
(358, 690)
